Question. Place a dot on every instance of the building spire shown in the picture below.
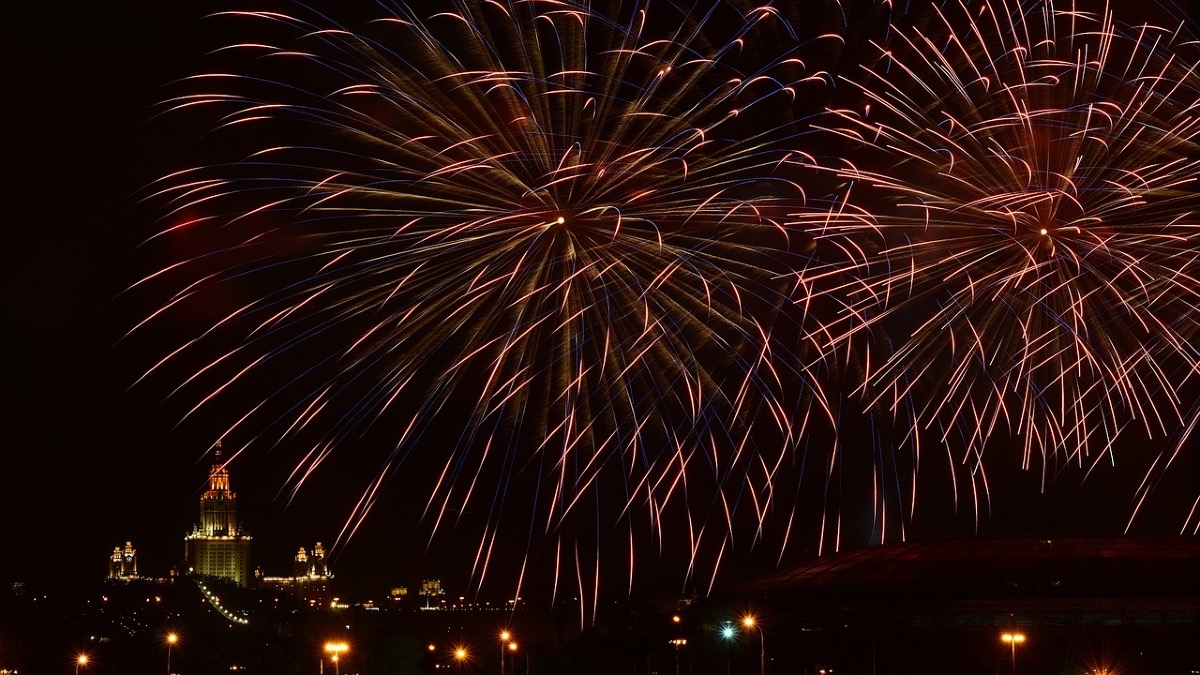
(219, 546)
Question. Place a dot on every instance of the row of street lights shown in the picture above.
(750, 623)
(1013, 639)
(508, 651)
(82, 660)
(336, 649)
(509, 648)
(509, 645)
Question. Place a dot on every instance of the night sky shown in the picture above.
(89, 462)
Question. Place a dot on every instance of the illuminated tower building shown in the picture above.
(311, 565)
(310, 577)
(432, 591)
(218, 546)
(300, 568)
(122, 564)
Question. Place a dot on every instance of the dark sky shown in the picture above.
(88, 462)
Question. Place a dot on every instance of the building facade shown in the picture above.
(310, 578)
(122, 564)
(218, 546)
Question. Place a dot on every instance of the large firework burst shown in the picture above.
(538, 242)
(1018, 225)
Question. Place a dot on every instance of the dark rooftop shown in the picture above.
(978, 566)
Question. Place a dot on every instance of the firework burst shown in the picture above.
(536, 243)
(1016, 230)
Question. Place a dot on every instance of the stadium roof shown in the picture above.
(1117, 565)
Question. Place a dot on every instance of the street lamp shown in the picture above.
(81, 660)
(1013, 639)
(678, 642)
(337, 649)
(512, 647)
(750, 623)
(505, 636)
(728, 633)
(460, 657)
(171, 640)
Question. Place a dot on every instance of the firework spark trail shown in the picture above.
(1017, 232)
(555, 230)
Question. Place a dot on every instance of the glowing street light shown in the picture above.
(81, 660)
(337, 649)
(750, 623)
(512, 647)
(728, 633)
(505, 636)
(678, 642)
(172, 638)
(1013, 639)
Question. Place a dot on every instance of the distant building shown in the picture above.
(122, 564)
(313, 566)
(310, 578)
(218, 546)
(398, 594)
(431, 590)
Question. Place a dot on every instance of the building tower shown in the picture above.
(311, 564)
(432, 591)
(218, 546)
(122, 564)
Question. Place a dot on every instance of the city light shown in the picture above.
(460, 657)
(81, 660)
(172, 638)
(728, 633)
(505, 636)
(1013, 639)
(678, 642)
(751, 623)
(336, 649)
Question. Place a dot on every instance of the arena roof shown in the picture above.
(988, 566)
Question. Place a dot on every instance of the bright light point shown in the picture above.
(460, 653)
(1013, 637)
(748, 622)
(1044, 231)
(172, 638)
(512, 646)
(505, 636)
(560, 220)
(727, 632)
(82, 660)
(676, 618)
